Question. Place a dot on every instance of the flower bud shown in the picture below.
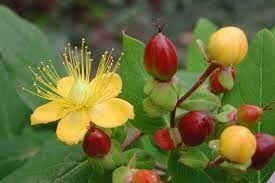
(96, 143)
(265, 150)
(195, 127)
(249, 114)
(227, 46)
(146, 176)
(167, 139)
(160, 58)
(237, 144)
(222, 80)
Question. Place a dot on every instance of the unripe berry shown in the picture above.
(227, 46)
(160, 57)
(96, 143)
(249, 114)
(195, 127)
(220, 86)
(146, 176)
(237, 144)
(264, 152)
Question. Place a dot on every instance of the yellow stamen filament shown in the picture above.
(77, 64)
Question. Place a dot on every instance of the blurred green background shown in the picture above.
(101, 21)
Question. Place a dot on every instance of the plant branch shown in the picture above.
(131, 139)
(219, 160)
(199, 82)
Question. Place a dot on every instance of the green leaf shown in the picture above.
(23, 44)
(143, 159)
(255, 85)
(194, 158)
(14, 113)
(14, 153)
(134, 78)
(119, 133)
(187, 79)
(202, 100)
(182, 173)
(195, 61)
(55, 163)
(147, 145)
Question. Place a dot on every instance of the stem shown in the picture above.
(267, 107)
(130, 140)
(219, 160)
(202, 78)
(199, 82)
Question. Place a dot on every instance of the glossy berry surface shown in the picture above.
(237, 144)
(264, 151)
(163, 139)
(96, 143)
(249, 114)
(227, 46)
(216, 86)
(146, 176)
(160, 58)
(195, 127)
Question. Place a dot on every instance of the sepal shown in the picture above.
(201, 100)
(194, 158)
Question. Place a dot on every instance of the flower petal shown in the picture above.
(46, 113)
(107, 85)
(72, 128)
(64, 85)
(112, 113)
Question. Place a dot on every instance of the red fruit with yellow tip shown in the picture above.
(264, 151)
(160, 57)
(146, 176)
(195, 127)
(96, 143)
(249, 114)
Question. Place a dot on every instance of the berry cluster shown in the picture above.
(235, 144)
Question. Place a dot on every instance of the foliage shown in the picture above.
(34, 154)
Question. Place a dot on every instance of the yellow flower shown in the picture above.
(227, 46)
(76, 99)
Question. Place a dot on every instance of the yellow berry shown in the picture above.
(237, 144)
(227, 46)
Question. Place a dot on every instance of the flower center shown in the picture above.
(80, 92)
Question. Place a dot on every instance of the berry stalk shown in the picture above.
(210, 69)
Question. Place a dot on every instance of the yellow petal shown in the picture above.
(72, 128)
(46, 113)
(112, 113)
(64, 85)
(106, 86)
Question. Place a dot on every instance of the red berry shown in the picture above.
(96, 143)
(264, 151)
(195, 127)
(215, 84)
(160, 58)
(249, 114)
(146, 176)
(163, 139)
